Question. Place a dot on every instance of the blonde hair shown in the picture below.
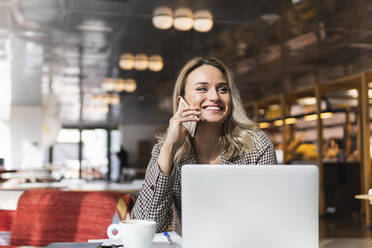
(235, 137)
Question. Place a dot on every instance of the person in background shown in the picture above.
(224, 135)
(332, 149)
(123, 158)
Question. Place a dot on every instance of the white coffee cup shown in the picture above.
(133, 233)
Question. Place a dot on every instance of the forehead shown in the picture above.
(206, 73)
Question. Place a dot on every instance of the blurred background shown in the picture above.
(85, 86)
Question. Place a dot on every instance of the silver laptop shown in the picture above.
(250, 206)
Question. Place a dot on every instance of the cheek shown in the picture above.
(228, 102)
(193, 100)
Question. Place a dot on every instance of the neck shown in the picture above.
(206, 141)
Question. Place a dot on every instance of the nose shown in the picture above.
(213, 94)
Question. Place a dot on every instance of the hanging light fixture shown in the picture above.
(120, 85)
(115, 85)
(203, 21)
(126, 61)
(106, 98)
(108, 84)
(114, 99)
(162, 18)
(156, 63)
(264, 125)
(141, 62)
(183, 19)
(130, 85)
(98, 98)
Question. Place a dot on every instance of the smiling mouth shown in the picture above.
(213, 108)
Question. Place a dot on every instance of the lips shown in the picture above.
(213, 107)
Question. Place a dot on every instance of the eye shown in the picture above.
(222, 89)
(201, 89)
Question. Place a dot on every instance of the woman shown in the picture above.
(224, 135)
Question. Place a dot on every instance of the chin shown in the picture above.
(214, 121)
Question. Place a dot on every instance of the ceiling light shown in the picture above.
(141, 62)
(183, 19)
(326, 115)
(120, 85)
(278, 123)
(289, 121)
(162, 18)
(108, 84)
(112, 99)
(117, 85)
(115, 99)
(131, 85)
(203, 21)
(106, 98)
(97, 98)
(352, 93)
(307, 101)
(264, 125)
(156, 63)
(270, 18)
(314, 117)
(126, 61)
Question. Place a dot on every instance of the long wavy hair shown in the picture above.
(236, 131)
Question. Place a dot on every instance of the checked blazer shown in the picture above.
(160, 196)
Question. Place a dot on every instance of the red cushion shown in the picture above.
(45, 216)
(6, 219)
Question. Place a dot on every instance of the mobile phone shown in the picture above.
(189, 125)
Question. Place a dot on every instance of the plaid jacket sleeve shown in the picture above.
(265, 149)
(155, 196)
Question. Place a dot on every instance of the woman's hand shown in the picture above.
(176, 133)
(176, 136)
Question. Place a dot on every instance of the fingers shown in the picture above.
(190, 118)
(187, 113)
(183, 108)
(192, 114)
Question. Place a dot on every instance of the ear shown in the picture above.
(178, 99)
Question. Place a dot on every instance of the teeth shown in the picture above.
(213, 108)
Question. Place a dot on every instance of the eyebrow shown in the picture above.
(204, 83)
(201, 83)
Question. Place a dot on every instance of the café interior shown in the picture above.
(86, 85)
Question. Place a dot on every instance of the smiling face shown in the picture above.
(207, 88)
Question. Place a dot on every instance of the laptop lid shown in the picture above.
(250, 206)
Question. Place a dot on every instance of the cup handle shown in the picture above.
(113, 231)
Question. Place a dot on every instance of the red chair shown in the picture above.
(45, 216)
